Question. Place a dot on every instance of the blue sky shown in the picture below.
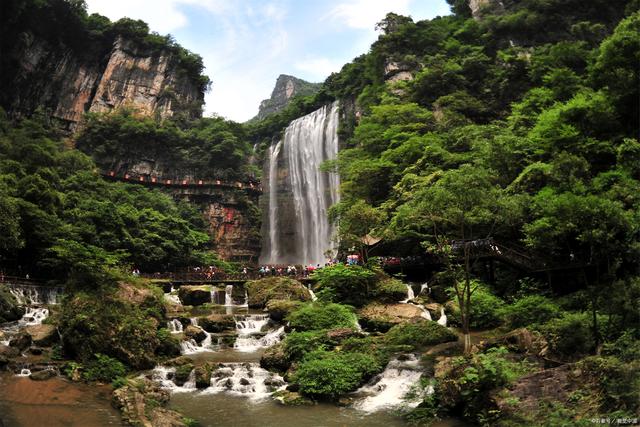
(246, 44)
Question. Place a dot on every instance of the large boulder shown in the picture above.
(275, 288)
(381, 317)
(194, 295)
(9, 308)
(520, 340)
(43, 335)
(217, 323)
(275, 358)
(203, 377)
(43, 375)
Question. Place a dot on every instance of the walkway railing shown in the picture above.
(206, 276)
(181, 182)
(20, 281)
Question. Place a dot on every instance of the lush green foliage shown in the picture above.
(346, 284)
(59, 216)
(317, 316)
(529, 310)
(104, 369)
(206, 148)
(267, 289)
(419, 334)
(570, 334)
(327, 375)
(486, 309)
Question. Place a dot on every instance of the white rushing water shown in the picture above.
(24, 373)
(410, 294)
(274, 243)
(174, 326)
(390, 388)
(34, 316)
(191, 346)
(36, 295)
(308, 142)
(228, 295)
(313, 295)
(250, 343)
(443, 317)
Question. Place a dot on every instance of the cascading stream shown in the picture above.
(308, 142)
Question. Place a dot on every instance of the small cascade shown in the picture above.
(164, 376)
(174, 326)
(425, 287)
(425, 313)
(34, 316)
(410, 294)
(228, 293)
(191, 346)
(443, 317)
(389, 389)
(36, 295)
(313, 295)
(24, 373)
(249, 343)
(251, 324)
(245, 379)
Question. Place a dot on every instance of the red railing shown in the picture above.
(181, 182)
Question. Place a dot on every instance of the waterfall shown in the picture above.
(246, 379)
(423, 287)
(274, 250)
(174, 326)
(35, 295)
(251, 324)
(191, 346)
(410, 294)
(443, 317)
(34, 316)
(389, 389)
(228, 291)
(300, 232)
(313, 294)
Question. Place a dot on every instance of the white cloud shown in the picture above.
(365, 14)
(318, 68)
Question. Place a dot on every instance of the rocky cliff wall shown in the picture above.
(285, 89)
(66, 85)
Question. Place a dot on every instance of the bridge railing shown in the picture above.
(181, 181)
(21, 281)
(206, 276)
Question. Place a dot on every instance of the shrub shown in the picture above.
(328, 375)
(104, 368)
(352, 285)
(570, 335)
(419, 334)
(485, 309)
(320, 316)
(618, 381)
(297, 344)
(528, 310)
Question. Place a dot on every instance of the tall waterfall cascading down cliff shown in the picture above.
(299, 230)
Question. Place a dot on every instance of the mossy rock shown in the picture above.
(275, 358)
(194, 295)
(182, 374)
(203, 376)
(116, 327)
(217, 323)
(195, 333)
(390, 291)
(275, 288)
(382, 317)
(43, 335)
(419, 334)
(279, 309)
(179, 361)
(9, 308)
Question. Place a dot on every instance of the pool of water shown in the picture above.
(54, 403)
(227, 410)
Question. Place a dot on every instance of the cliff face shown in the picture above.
(67, 85)
(285, 89)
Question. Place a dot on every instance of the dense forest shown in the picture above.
(514, 130)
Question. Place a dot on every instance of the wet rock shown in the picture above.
(43, 375)
(203, 377)
(381, 317)
(345, 401)
(291, 398)
(182, 374)
(9, 352)
(194, 295)
(217, 323)
(244, 381)
(21, 341)
(195, 333)
(275, 359)
(43, 335)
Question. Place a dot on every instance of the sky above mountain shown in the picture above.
(246, 44)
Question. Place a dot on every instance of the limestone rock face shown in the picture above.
(381, 317)
(286, 88)
(68, 84)
(194, 295)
